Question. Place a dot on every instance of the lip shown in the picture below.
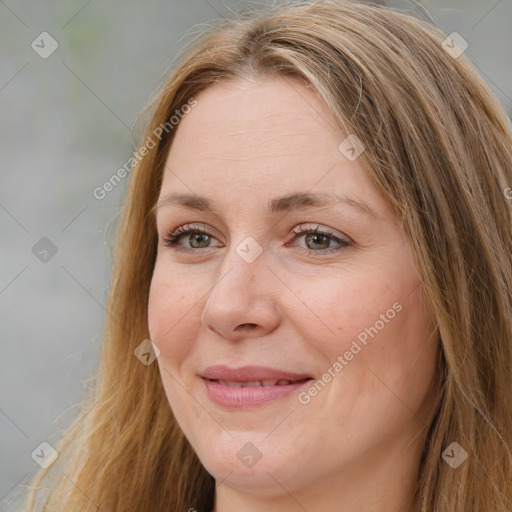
(243, 397)
(250, 373)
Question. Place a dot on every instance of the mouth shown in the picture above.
(257, 383)
(250, 386)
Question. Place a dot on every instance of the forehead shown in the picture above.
(270, 137)
(255, 118)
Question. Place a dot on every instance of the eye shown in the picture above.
(319, 240)
(198, 238)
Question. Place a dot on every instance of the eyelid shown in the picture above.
(172, 239)
(184, 230)
(312, 227)
(342, 240)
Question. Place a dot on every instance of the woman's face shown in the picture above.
(250, 290)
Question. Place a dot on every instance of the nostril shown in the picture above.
(248, 327)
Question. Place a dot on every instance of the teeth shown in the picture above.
(255, 383)
(251, 384)
(230, 384)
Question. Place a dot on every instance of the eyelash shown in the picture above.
(172, 240)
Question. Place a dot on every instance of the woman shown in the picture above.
(319, 251)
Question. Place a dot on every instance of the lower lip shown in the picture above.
(249, 396)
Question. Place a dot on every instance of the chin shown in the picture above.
(237, 464)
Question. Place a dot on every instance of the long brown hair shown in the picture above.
(439, 149)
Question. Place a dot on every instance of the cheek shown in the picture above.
(336, 311)
(381, 329)
(170, 310)
(160, 309)
(172, 329)
(374, 320)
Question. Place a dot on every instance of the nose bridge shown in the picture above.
(245, 260)
(242, 293)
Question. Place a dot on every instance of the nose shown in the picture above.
(242, 303)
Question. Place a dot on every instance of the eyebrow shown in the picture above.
(301, 200)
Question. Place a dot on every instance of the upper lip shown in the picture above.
(250, 374)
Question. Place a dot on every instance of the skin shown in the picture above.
(356, 445)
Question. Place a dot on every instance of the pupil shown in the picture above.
(314, 236)
(195, 237)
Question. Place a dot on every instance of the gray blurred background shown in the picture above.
(64, 130)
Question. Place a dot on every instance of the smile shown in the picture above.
(254, 383)
(239, 394)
